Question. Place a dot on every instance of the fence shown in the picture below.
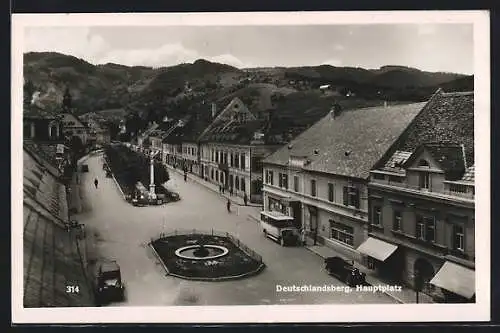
(212, 232)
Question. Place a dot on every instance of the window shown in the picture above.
(269, 179)
(424, 180)
(237, 183)
(426, 228)
(213, 156)
(430, 232)
(330, 192)
(378, 176)
(396, 223)
(225, 158)
(243, 161)
(295, 183)
(242, 184)
(212, 174)
(313, 187)
(419, 228)
(351, 196)
(377, 215)
(395, 179)
(231, 160)
(458, 237)
(280, 179)
(217, 175)
(342, 233)
(236, 161)
(285, 181)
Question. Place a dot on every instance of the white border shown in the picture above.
(480, 311)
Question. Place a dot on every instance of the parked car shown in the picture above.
(345, 271)
(172, 196)
(108, 286)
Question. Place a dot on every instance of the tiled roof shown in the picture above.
(448, 118)
(51, 259)
(51, 262)
(238, 132)
(396, 162)
(349, 144)
(449, 157)
(469, 174)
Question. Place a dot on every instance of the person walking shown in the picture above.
(231, 191)
(245, 199)
(185, 176)
(228, 204)
(96, 183)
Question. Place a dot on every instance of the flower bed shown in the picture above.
(235, 264)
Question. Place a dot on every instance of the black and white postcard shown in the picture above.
(251, 167)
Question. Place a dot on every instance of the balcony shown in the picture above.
(464, 191)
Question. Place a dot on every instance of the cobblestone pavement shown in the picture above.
(122, 232)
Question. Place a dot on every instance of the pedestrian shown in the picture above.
(231, 191)
(303, 236)
(96, 183)
(228, 204)
(185, 177)
(220, 188)
(245, 199)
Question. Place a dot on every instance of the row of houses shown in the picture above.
(42, 125)
(391, 187)
(225, 148)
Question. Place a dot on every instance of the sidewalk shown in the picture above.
(215, 188)
(405, 296)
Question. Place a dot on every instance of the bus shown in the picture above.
(279, 227)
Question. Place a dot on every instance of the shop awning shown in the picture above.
(377, 249)
(457, 279)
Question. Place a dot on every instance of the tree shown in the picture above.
(67, 100)
(28, 90)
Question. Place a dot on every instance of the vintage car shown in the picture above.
(108, 284)
(344, 271)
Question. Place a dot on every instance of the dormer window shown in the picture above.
(423, 163)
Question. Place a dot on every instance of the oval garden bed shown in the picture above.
(206, 256)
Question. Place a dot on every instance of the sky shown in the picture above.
(430, 47)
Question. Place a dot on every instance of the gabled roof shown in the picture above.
(236, 132)
(469, 174)
(446, 121)
(449, 157)
(351, 143)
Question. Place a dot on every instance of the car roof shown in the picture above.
(109, 266)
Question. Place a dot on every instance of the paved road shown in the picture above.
(123, 230)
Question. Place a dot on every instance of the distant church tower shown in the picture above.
(67, 101)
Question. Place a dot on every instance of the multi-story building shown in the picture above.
(74, 127)
(321, 177)
(40, 125)
(422, 202)
(232, 148)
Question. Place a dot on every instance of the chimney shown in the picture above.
(214, 110)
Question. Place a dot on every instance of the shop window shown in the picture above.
(342, 233)
(313, 187)
(242, 184)
(296, 183)
(237, 183)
